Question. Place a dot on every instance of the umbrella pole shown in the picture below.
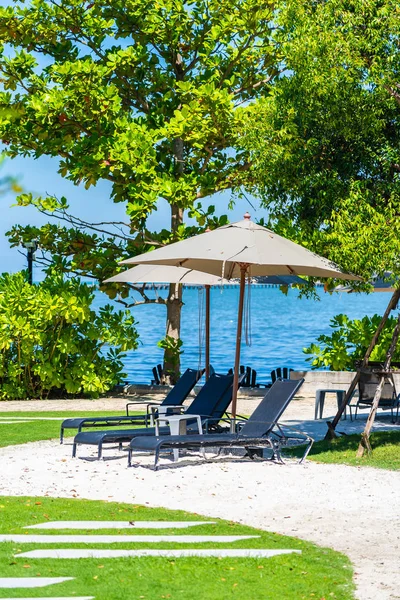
(207, 332)
(243, 269)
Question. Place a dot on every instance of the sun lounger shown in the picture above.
(282, 373)
(157, 374)
(367, 385)
(174, 398)
(211, 403)
(261, 430)
(249, 377)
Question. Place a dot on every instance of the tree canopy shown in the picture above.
(144, 95)
(325, 146)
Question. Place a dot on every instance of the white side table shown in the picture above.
(320, 400)
(157, 409)
(178, 426)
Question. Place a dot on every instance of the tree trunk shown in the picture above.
(365, 443)
(174, 305)
(330, 435)
(173, 330)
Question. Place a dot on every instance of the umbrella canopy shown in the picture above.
(222, 251)
(147, 273)
(236, 250)
(164, 274)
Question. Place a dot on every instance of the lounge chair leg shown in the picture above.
(156, 457)
(61, 435)
(74, 450)
(303, 458)
(120, 446)
(129, 457)
(99, 451)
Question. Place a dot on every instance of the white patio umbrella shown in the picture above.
(238, 249)
(165, 274)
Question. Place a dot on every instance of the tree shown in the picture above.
(348, 342)
(144, 95)
(325, 146)
(53, 343)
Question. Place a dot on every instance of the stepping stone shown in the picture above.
(19, 419)
(115, 539)
(30, 582)
(204, 553)
(13, 422)
(119, 524)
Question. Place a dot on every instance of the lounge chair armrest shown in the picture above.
(281, 428)
(153, 408)
(234, 424)
(133, 402)
(238, 417)
(163, 410)
(211, 421)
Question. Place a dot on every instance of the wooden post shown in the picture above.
(365, 443)
(243, 269)
(207, 332)
(392, 305)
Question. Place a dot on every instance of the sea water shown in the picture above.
(281, 326)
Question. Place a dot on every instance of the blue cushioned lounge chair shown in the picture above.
(211, 403)
(261, 430)
(174, 398)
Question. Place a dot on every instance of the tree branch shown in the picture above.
(142, 102)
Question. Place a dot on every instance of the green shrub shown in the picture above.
(53, 343)
(173, 351)
(349, 341)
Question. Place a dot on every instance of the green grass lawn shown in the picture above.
(342, 450)
(36, 430)
(317, 573)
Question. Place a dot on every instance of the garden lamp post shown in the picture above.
(31, 248)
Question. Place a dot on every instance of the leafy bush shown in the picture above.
(173, 350)
(53, 343)
(349, 342)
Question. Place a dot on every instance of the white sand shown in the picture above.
(353, 510)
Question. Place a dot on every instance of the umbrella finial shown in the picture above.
(247, 216)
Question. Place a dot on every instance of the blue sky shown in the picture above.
(41, 178)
